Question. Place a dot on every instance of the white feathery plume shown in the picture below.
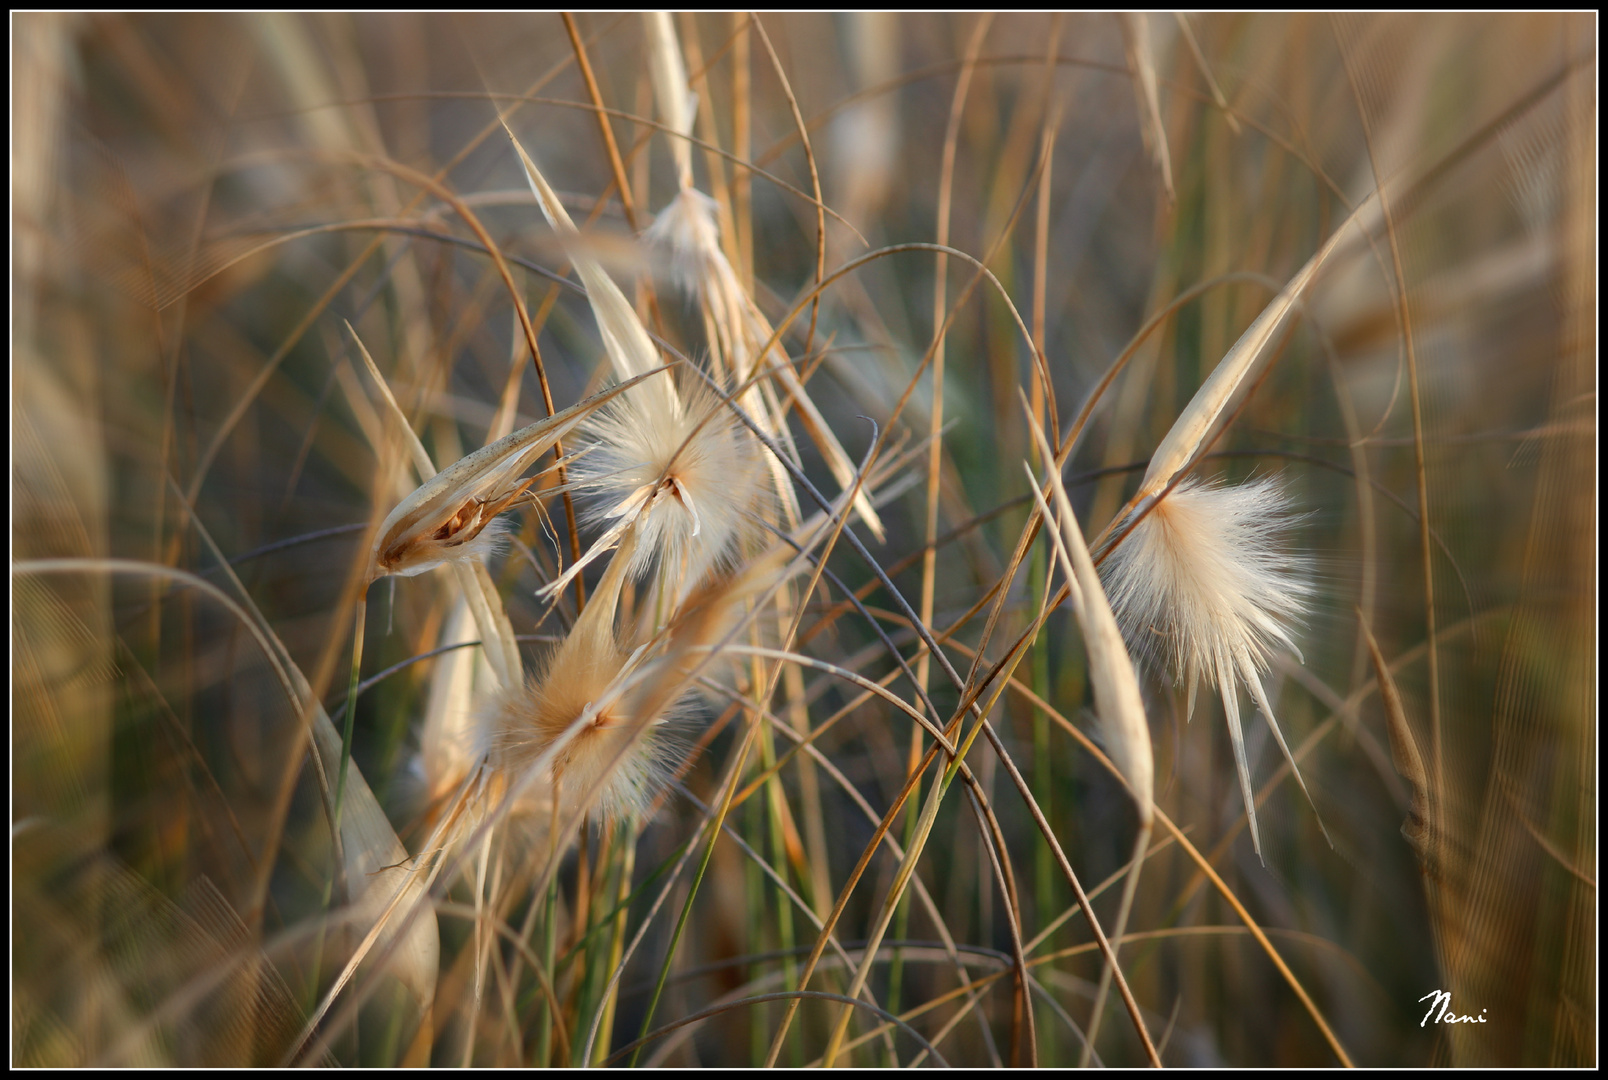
(687, 228)
(1204, 586)
(689, 479)
(735, 328)
(584, 684)
(1199, 573)
(737, 332)
(674, 463)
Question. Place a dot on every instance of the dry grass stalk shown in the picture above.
(1118, 703)
(1142, 62)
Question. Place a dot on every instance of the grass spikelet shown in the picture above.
(584, 683)
(1204, 586)
(630, 350)
(657, 447)
(1239, 366)
(1116, 688)
(687, 477)
(677, 103)
(445, 518)
(737, 331)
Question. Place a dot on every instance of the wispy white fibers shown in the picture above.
(676, 463)
(690, 478)
(735, 328)
(583, 684)
(1204, 582)
(687, 229)
(1206, 586)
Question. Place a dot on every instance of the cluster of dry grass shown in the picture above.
(565, 540)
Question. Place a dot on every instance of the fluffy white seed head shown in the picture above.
(688, 230)
(580, 679)
(740, 343)
(1206, 587)
(577, 723)
(689, 476)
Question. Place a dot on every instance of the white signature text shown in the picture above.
(1440, 1010)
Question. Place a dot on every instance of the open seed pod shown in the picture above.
(445, 519)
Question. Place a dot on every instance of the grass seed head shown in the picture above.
(527, 721)
(689, 475)
(450, 517)
(688, 230)
(1205, 586)
(586, 682)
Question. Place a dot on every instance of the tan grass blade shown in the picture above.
(1118, 703)
(1190, 432)
(625, 339)
(421, 458)
(446, 735)
(1142, 58)
(677, 103)
(496, 632)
